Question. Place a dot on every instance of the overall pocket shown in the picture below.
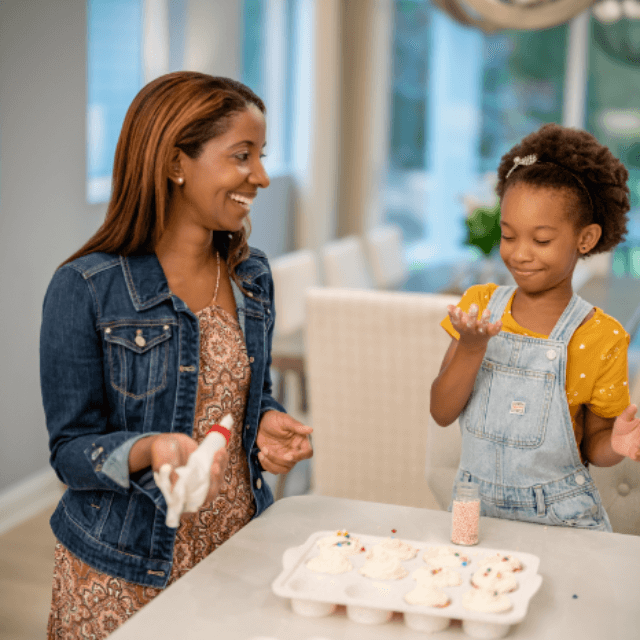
(582, 510)
(510, 406)
(138, 358)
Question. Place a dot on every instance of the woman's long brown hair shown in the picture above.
(181, 110)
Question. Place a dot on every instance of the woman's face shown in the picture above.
(221, 183)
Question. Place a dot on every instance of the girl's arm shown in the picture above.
(452, 388)
(608, 440)
(596, 441)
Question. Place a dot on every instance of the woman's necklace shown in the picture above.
(215, 294)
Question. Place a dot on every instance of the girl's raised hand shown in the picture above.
(625, 437)
(474, 330)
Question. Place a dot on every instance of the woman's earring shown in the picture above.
(180, 180)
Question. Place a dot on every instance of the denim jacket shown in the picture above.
(119, 358)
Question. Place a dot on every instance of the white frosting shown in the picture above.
(507, 562)
(444, 557)
(348, 545)
(398, 548)
(330, 560)
(382, 565)
(494, 578)
(486, 601)
(427, 595)
(438, 577)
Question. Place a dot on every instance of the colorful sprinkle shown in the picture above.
(393, 530)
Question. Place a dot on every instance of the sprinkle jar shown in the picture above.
(465, 514)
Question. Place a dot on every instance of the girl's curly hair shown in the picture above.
(572, 159)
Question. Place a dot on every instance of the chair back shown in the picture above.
(371, 359)
(293, 274)
(344, 264)
(386, 256)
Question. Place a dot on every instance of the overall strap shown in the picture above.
(499, 301)
(573, 315)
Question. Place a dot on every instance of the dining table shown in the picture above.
(590, 585)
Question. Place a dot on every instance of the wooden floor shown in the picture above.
(26, 569)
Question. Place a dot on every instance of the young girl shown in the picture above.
(536, 374)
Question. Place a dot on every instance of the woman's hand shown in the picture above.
(474, 331)
(283, 442)
(174, 449)
(625, 437)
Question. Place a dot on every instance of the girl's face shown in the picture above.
(540, 243)
(222, 182)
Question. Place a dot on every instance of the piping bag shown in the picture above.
(192, 485)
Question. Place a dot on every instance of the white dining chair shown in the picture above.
(344, 264)
(293, 274)
(386, 256)
(371, 358)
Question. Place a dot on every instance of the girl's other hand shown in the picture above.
(625, 437)
(474, 330)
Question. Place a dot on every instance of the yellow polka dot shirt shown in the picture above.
(597, 373)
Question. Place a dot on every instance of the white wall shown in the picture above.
(43, 213)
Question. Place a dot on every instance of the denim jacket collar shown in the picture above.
(148, 286)
(146, 282)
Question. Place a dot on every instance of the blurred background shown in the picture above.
(379, 112)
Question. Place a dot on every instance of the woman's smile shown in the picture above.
(244, 200)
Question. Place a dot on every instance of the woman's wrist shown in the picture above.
(140, 454)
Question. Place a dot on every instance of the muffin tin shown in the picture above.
(371, 601)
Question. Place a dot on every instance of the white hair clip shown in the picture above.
(522, 162)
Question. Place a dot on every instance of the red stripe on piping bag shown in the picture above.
(220, 429)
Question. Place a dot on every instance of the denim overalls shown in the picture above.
(518, 441)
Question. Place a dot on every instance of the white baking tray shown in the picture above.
(354, 590)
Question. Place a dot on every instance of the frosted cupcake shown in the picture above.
(428, 595)
(445, 557)
(396, 547)
(507, 562)
(437, 576)
(493, 578)
(343, 541)
(381, 565)
(331, 560)
(486, 601)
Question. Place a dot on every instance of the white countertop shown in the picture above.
(228, 595)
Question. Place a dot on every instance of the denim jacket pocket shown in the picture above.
(138, 356)
(510, 406)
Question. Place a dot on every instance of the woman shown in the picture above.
(156, 328)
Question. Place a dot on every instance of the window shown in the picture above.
(613, 116)
(410, 80)
(267, 59)
(522, 83)
(114, 76)
(130, 42)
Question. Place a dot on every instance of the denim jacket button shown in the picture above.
(107, 330)
(139, 339)
(551, 354)
(259, 483)
(250, 294)
(580, 479)
(252, 359)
